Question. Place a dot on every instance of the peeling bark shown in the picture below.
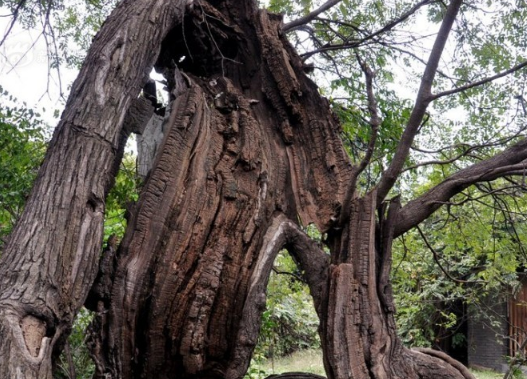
(240, 144)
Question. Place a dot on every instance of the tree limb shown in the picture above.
(422, 101)
(510, 161)
(311, 259)
(479, 82)
(309, 17)
(386, 28)
(375, 120)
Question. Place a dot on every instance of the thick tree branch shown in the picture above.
(309, 17)
(311, 259)
(510, 161)
(423, 100)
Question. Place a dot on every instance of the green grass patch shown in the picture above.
(486, 374)
(311, 361)
(304, 360)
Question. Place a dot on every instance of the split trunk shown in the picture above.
(250, 151)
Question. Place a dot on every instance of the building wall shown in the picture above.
(487, 339)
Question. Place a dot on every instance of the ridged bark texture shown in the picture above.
(360, 339)
(250, 151)
(247, 140)
(50, 261)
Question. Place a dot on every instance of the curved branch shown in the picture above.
(479, 82)
(386, 28)
(423, 100)
(439, 354)
(310, 17)
(510, 161)
(438, 262)
(312, 260)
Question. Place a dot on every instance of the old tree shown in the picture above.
(251, 153)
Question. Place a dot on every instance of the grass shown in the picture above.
(304, 360)
(311, 361)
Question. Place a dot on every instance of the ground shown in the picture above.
(311, 361)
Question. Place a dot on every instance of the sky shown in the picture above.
(24, 72)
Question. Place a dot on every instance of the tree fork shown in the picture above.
(360, 328)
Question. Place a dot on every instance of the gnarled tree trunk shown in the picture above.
(250, 146)
(247, 144)
(250, 150)
(359, 333)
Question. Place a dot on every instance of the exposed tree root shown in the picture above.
(447, 359)
(295, 375)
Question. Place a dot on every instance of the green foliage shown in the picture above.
(255, 370)
(289, 322)
(68, 26)
(124, 193)
(479, 244)
(23, 140)
(77, 350)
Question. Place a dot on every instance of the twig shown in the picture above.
(479, 82)
(436, 259)
(280, 272)
(389, 26)
(309, 17)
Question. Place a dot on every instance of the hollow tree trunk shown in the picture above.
(250, 146)
(249, 142)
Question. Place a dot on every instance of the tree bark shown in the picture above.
(250, 150)
(248, 142)
(360, 339)
(50, 261)
(249, 146)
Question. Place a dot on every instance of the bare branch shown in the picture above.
(292, 274)
(422, 101)
(479, 82)
(512, 161)
(397, 21)
(309, 17)
(389, 26)
(15, 15)
(375, 120)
